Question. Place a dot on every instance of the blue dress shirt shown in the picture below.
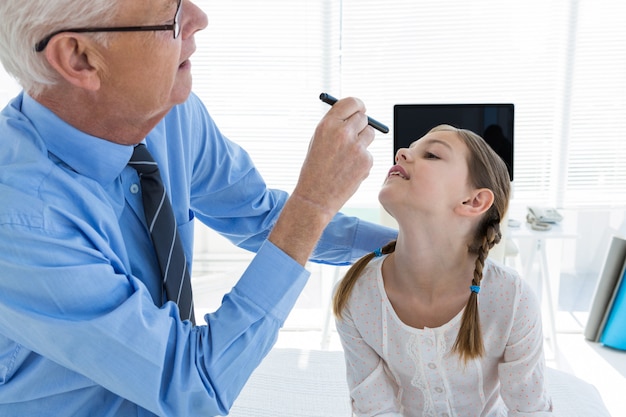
(82, 328)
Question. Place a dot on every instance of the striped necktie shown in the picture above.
(162, 225)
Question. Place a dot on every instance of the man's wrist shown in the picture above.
(299, 227)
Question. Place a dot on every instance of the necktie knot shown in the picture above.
(142, 161)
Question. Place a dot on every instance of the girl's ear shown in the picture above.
(477, 203)
(73, 58)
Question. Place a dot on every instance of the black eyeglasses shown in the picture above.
(174, 27)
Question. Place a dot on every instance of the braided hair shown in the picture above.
(342, 293)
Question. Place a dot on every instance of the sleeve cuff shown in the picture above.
(273, 281)
(371, 236)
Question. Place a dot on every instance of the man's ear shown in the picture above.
(72, 56)
(477, 203)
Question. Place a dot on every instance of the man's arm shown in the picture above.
(70, 295)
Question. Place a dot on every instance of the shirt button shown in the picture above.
(438, 390)
(134, 188)
(429, 342)
(432, 366)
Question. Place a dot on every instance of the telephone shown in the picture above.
(545, 214)
(541, 218)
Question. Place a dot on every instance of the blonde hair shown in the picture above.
(486, 170)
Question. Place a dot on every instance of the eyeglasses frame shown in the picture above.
(174, 27)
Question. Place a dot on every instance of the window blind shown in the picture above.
(260, 67)
(594, 161)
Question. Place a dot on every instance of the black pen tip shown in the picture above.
(328, 99)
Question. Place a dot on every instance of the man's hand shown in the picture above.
(336, 163)
(338, 160)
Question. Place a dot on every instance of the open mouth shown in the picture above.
(398, 171)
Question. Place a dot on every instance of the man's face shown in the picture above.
(146, 73)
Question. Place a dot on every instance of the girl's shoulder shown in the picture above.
(505, 278)
(369, 283)
(499, 269)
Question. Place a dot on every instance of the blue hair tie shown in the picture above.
(378, 252)
(475, 288)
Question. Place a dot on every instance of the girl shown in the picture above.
(429, 325)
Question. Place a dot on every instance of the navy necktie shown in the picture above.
(163, 231)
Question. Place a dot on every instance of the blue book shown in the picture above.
(605, 294)
(614, 334)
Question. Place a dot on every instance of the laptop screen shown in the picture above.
(494, 122)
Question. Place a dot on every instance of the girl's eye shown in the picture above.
(430, 155)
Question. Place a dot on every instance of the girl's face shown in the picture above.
(429, 177)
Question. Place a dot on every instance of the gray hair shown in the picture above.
(26, 22)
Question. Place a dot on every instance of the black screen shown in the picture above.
(494, 122)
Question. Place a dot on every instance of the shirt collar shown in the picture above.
(93, 157)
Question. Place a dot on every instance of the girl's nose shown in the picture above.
(401, 154)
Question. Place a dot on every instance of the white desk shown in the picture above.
(548, 280)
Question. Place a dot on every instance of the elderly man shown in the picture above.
(106, 158)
